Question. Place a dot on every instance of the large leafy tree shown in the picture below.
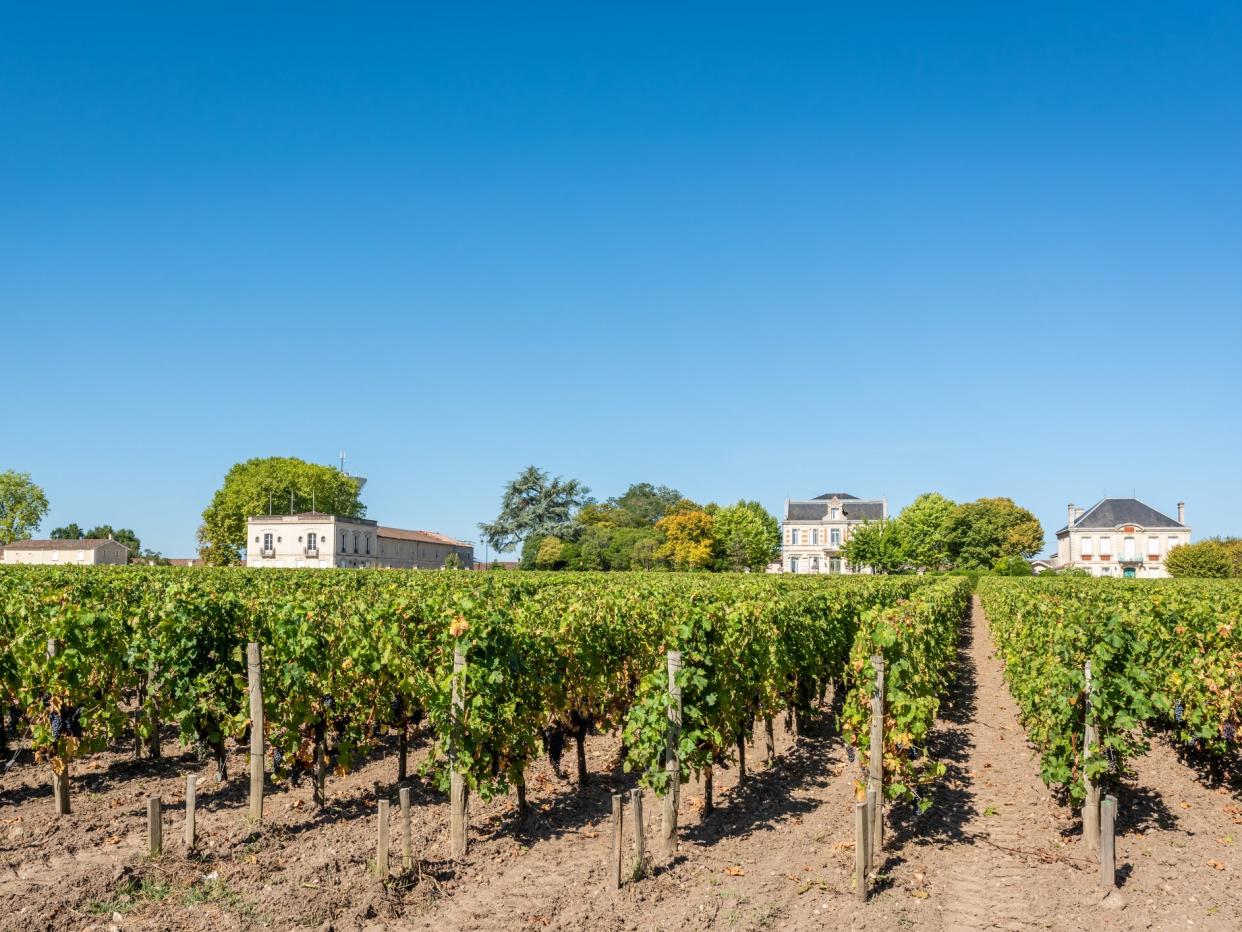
(689, 537)
(878, 545)
(747, 536)
(979, 533)
(278, 482)
(22, 506)
(922, 526)
(1208, 559)
(535, 505)
(72, 531)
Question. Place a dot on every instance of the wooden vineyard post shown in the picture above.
(769, 740)
(875, 781)
(861, 824)
(872, 804)
(614, 861)
(1108, 850)
(407, 843)
(60, 777)
(254, 672)
(381, 842)
(640, 837)
(1091, 805)
(672, 764)
(457, 780)
(191, 804)
(155, 826)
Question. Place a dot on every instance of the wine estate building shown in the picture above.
(316, 540)
(82, 552)
(1119, 537)
(814, 531)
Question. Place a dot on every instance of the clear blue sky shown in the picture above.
(748, 251)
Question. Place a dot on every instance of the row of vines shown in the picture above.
(1160, 653)
(352, 657)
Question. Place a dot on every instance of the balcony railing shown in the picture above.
(1130, 558)
(267, 553)
(312, 552)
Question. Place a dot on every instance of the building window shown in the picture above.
(1153, 546)
(1084, 546)
(256, 538)
(1128, 545)
(312, 541)
(834, 514)
(355, 541)
(834, 565)
(368, 543)
(1173, 542)
(793, 564)
(814, 564)
(834, 537)
(81, 556)
(793, 537)
(55, 556)
(342, 542)
(1106, 548)
(267, 541)
(814, 537)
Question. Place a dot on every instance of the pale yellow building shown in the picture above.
(1120, 537)
(315, 540)
(815, 530)
(86, 552)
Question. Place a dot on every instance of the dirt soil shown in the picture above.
(995, 851)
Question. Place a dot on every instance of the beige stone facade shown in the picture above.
(321, 541)
(1119, 537)
(66, 552)
(815, 530)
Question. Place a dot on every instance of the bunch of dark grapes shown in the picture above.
(73, 721)
(1112, 758)
(57, 722)
(1179, 712)
(849, 752)
(554, 744)
(278, 757)
(15, 717)
(1228, 730)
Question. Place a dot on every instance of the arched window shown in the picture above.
(355, 541)
(368, 543)
(342, 541)
(267, 541)
(312, 541)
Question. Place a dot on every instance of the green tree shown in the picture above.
(979, 533)
(551, 552)
(279, 482)
(922, 526)
(535, 505)
(747, 536)
(68, 532)
(122, 536)
(1012, 566)
(876, 544)
(1208, 559)
(22, 506)
(452, 561)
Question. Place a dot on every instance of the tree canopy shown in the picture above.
(283, 483)
(1208, 559)
(124, 536)
(535, 505)
(747, 536)
(979, 533)
(878, 545)
(22, 506)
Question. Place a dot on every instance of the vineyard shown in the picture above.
(508, 710)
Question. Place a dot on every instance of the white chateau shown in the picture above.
(1119, 537)
(321, 541)
(83, 552)
(815, 530)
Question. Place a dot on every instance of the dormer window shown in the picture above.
(834, 514)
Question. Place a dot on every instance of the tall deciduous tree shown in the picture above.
(922, 526)
(1208, 559)
(689, 539)
(981, 532)
(282, 483)
(747, 536)
(877, 544)
(22, 506)
(535, 505)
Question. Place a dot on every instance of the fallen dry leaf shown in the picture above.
(920, 894)
(1216, 865)
(735, 872)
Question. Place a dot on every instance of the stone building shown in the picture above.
(313, 539)
(814, 531)
(1120, 537)
(84, 552)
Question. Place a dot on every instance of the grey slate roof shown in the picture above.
(1114, 512)
(816, 510)
(830, 495)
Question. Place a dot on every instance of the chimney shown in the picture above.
(1071, 515)
(1181, 512)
